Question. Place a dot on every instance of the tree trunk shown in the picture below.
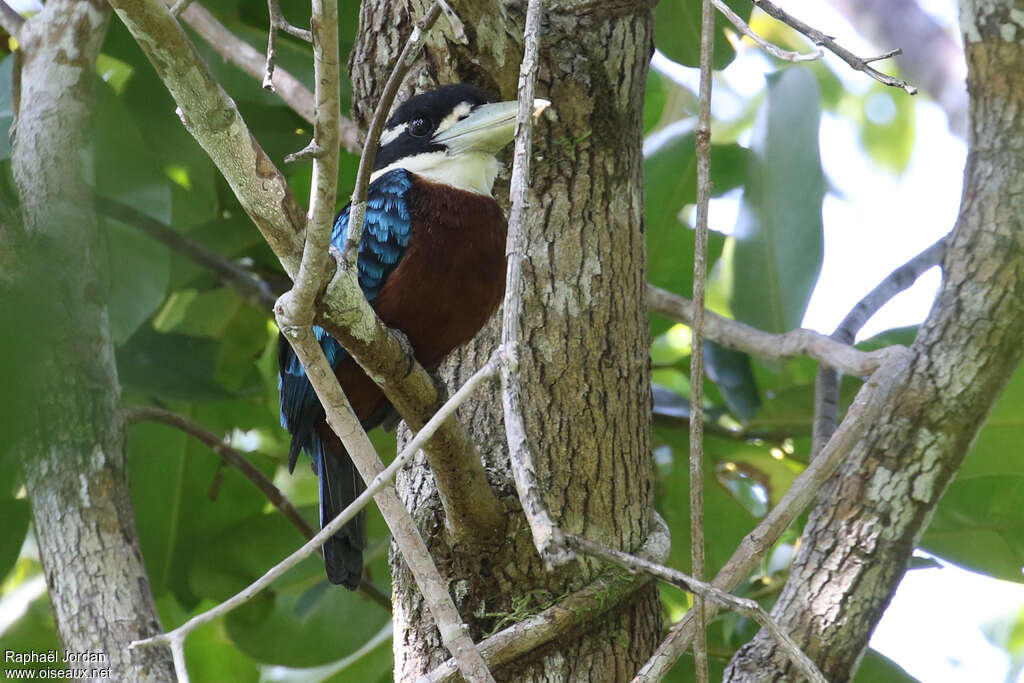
(584, 363)
(881, 501)
(73, 459)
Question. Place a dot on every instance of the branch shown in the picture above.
(324, 186)
(736, 335)
(577, 609)
(827, 385)
(380, 487)
(746, 607)
(212, 118)
(10, 20)
(771, 48)
(865, 411)
(545, 534)
(249, 287)
(278, 23)
(700, 268)
(819, 38)
(244, 56)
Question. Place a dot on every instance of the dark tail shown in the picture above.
(340, 484)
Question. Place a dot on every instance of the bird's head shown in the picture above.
(450, 136)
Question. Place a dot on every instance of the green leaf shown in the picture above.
(140, 270)
(671, 184)
(979, 524)
(175, 366)
(6, 105)
(183, 497)
(15, 513)
(726, 522)
(126, 169)
(997, 448)
(779, 231)
(677, 31)
(272, 628)
(877, 667)
(886, 127)
(731, 371)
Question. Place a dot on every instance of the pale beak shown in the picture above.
(488, 128)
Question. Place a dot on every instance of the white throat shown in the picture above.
(471, 171)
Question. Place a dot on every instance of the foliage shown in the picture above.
(187, 341)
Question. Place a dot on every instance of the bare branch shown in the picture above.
(380, 488)
(546, 536)
(700, 272)
(826, 388)
(254, 291)
(746, 607)
(278, 23)
(865, 411)
(180, 6)
(736, 335)
(251, 61)
(324, 150)
(819, 38)
(10, 20)
(771, 48)
(574, 611)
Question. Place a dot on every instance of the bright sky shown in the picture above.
(932, 628)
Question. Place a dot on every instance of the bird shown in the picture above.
(432, 265)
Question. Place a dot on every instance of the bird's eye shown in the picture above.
(419, 127)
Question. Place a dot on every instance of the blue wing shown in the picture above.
(386, 234)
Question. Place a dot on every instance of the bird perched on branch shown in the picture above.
(432, 264)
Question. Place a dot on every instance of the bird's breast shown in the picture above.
(452, 275)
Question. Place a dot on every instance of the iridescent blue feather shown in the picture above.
(386, 235)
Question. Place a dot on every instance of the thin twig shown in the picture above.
(743, 606)
(700, 268)
(736, 335)
(381, 484)
(249, 287)
(357, 210)
(576, 610)
(180, 6)
(827, 384)
(253, 62)
(771, 48)
(278, 23)
(545, 534)
(10, 20)
(865, 411)
(323, 189)
(819, 38)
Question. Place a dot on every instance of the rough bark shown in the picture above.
(584, 363)
(74, 465)
(858, 540)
